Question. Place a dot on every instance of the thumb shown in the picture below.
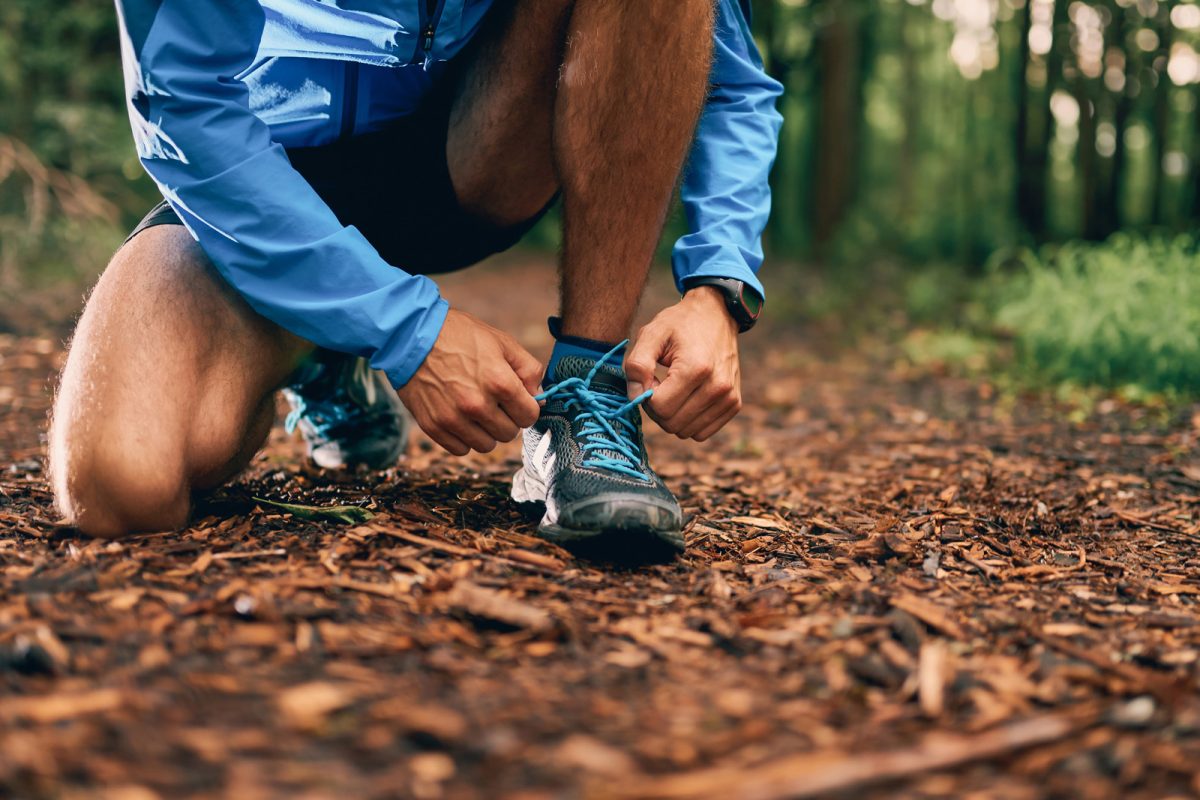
(528, 368)
(643, 358)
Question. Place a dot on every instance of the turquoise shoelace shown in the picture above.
(323, 417)
(608, 436)
(295, 415)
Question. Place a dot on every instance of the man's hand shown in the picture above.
(475, 388)
(696, 340)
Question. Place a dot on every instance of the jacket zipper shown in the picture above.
(350, 100)
(433, 13)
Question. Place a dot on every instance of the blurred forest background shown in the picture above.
(1024, 173)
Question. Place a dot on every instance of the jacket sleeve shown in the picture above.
(265, 229)
(725, 192)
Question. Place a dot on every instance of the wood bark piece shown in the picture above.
(826, 772)
(59, 707)
(497, 606)
(931, 614)
(931, 678)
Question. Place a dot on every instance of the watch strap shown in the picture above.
(744, 303)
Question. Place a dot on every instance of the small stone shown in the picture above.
(1137, 713)
(244, 605)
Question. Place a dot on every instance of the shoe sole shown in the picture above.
(627, 542)
(633, 531)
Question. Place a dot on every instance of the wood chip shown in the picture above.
(827, 772)
(489, 604)
(931, 614)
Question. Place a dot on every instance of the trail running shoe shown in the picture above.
(585, 458)
(348, 413)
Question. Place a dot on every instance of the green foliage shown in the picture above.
(943, 348)
(349, 515)
(69, 178)
(1125, 313)
(56, 221)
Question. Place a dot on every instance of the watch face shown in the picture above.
(751, 301)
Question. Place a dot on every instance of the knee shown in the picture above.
(109, 494)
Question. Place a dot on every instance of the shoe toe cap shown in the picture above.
(621, 512)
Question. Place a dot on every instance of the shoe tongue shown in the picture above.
(609, 378)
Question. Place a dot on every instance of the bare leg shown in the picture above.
(612, 131)
(168, 388)
(499, 145)
(634, 83)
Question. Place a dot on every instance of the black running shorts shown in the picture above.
(394, 186)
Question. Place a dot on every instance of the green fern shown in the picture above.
(1122, 313)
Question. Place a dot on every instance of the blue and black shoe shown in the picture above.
(585, 459)
(348, 413)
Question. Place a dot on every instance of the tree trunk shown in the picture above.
(911, 112)
(839, 44)
(1162, 117)
(1195, 217)
(1030, 149)
(1108, 205)
(1086, 149)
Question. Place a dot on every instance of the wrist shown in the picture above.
(742, 301)
(709, 300)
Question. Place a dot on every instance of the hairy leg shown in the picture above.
(600, 97)
(499, 144)
(168, 388)
(633, 84)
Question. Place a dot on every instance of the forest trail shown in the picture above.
(896, 583)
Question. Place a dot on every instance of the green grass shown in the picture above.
(1124, 314)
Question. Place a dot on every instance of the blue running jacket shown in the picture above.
(217, 89)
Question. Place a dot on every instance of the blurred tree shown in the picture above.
(928, 129)
(1161, 21)
(841, 47)
(1033, 132)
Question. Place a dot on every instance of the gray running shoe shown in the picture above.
(348, 413)
(585, 459)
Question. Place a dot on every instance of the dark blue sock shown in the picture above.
(565, 345)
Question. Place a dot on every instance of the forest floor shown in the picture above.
(897, 583)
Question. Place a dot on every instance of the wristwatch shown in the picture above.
(745, 304)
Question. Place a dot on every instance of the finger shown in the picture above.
(661, 412)
(448, 442)
(528, 368)
(706, 404)
(700, 404)
(435, 428)
(677, 388)
(712, 429)
(707, 417)
(498, 425)
(643, 357)
(517, 403)
(522, 411)
(472, 435)
(671, 423)
(480, 409)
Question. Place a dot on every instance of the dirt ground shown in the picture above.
(897, 584)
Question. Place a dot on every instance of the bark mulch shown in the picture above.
(897, 584)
